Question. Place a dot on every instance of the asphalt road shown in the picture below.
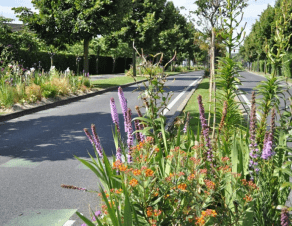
(250, 81)
(37, 156)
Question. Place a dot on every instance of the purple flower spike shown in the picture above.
(88, 135)
(124, 107)
(205, 129)
(140, 125)
(114, 113)
(267, 150)
(285, 217)
(119, 154)
(130, 128)
(187, 122)
(96, 141)
(129, 157)
(97, 213)
(252, 131)
(138, 137)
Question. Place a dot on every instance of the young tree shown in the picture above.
(209, 10)
(59, 22)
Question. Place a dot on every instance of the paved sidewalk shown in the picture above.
(107, 76)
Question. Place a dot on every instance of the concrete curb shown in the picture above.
(170, 123)
(66, 101)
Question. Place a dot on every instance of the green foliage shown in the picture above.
(228, 81)
(287, 65)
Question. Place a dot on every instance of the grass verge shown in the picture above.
(116, 81)
(193, 106)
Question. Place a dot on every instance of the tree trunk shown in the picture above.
(97, 59)
(212, 71)
(86, 48)
(134, 63)
(189, 63)
(114, 65)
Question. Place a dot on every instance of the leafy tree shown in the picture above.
(142, 25)
(177, 34)
(60, 22)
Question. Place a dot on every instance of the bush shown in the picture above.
(49, 90)
(62, 85)
(7, 96)
(33, 93)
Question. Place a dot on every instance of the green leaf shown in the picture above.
(127, 210)
(87, 221)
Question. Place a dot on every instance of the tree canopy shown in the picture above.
(60, 22)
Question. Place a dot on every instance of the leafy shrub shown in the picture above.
(86, 82)
(33, 93)
(207, 72)
(7, 96)
(62, 85)
(49, 90)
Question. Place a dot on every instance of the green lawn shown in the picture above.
(193, 106)
(121, 80)
(116, 81)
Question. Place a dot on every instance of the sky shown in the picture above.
(251, 13)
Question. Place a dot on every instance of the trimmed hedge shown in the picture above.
(284, 70)
(63, 61)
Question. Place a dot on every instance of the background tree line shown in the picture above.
(254, 50)
(102, 28)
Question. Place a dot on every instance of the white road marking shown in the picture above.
(179, 96)
(69, 223)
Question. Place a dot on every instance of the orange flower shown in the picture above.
(200, 221)
(156, 149)
(137, 172)
(118, 191)
(225, 159)
(133, 182)
(181, 174)
(149, 173)
(191, 177)
(203, 171)
(207, 213)
(157, 213)
(247, 198)
(210, 184)
(182, 186)
(143, 167)
(195, 161)
(149, 212)
(123, 168)
(116, 164)
(210, 212)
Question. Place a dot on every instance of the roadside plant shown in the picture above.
(271, 90)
